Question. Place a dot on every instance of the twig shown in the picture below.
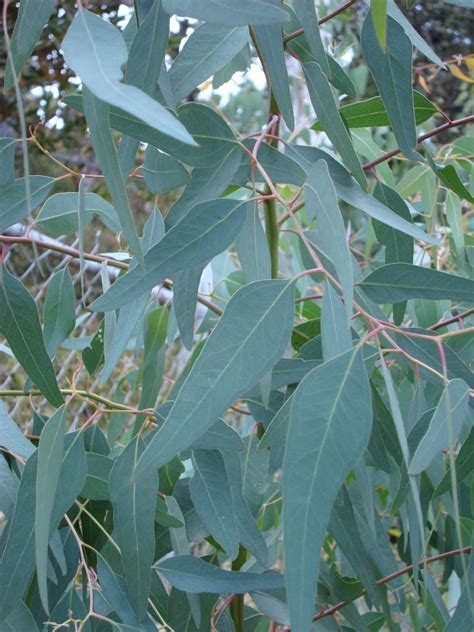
(454, 319)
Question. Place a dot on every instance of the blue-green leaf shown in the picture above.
(207, 50)
(50, 454)
(269, 42)
(96, 51)
(398, 282)
(14, 201)
(207, 229)
(194, 576)
(163, 173)
(325, 106)
(332, 401)
(11, 436)
(59, 310)
(257, 320)
(185, 289)
(227, 11)
(32, 16)
(134, 518)
(445, 425)
(252, 247)
(7, 160)
(335, 333)
(320, 199)
(392, 73)
(306, 14)
(19, 323)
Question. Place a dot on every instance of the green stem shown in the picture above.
(272, 232)
(237, 606)
(70, 391)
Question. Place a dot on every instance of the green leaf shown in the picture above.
(93, 355)
(415, 38)
(372, 112)
(454, 217)
(163, 173)
(50, 454)
(59, 214)
(32, 16)
(306, 14)
(449, 177)
(258, 320)
(463, 618)
(97, 115)
(335, 333)
(7, 160)
(195, 576)
(8, 486)
(445, 425)
(378, 10)
(464, 466)
(96, 486)
(207, 50)
(398, 246)
(59, 310)
(269, 43)
(252, 247)
(134, 518)
(326, 110)
(392, 73)
(96, 51)
(398, 282)
(20, 325)
(207, 229)
(316, 463)
(18, 556)
(349, 191)
(185, 289)
(320, 199)
(14, 201)
(11, 436)
(20, 619)
(227, 12)
(211, 496)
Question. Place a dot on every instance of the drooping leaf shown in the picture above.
(59, 214)
(19, 323)
(227, 12)
(185, 289)
(96, 486)
(445, 425)
(212, 499)
(392, 73)
(7, 160)
(306, 14)
(320, 198)
(252, 247)
(203, 232)
(134, 518)
(163, 173)
(32, 16)
(464, 466)
(398, 282)
(349, 191)
(11, 436)
(450, 178)
(206, 51)
(195, 575)
(97, 115)
(269, 42)
(14, 201)
(326, 110)
(18, 556)
(398, 247)
(463, 617)
(316, 462)
(59, 310)
(372, 112)
(259, 318)
(8, 488)
(50, 455)
(335, 333)
(20, 619)
(96, 51)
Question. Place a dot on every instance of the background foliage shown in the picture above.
(236, 315)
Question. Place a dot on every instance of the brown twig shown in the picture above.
(454, 319)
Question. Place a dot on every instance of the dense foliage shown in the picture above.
(250, 408)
